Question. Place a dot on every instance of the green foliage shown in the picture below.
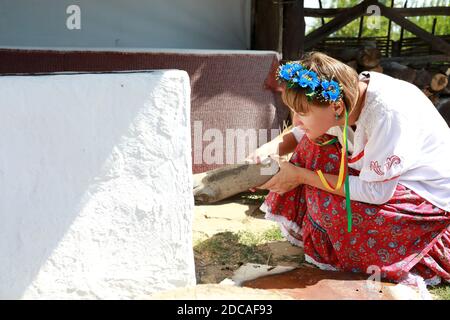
(441, 292)
(352, 29)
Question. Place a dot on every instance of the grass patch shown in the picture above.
(226, 248)
(442, 292)
(255, 239)
(235, 249)
(252, 198)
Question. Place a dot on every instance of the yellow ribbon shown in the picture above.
(342, 176)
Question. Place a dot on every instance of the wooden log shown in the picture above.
(346, 54)
(222, 183)
(434, 98)
(443, 103)
(426, 91)
(369, 57)
(353, 64)
(423, 78)
(377, 68)
(439, 82)
(399, 71)
(446, 90)
(219, 184)
(443, 106)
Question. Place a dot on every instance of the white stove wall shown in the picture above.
(96, 188)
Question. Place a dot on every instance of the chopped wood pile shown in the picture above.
(430, 78)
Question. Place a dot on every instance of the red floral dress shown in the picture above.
(405, 237)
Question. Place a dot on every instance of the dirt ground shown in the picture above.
(231, 233)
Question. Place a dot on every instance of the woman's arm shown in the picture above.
(287, 143)
(311, 178)
(376, 192)
(290, 176)
(283, 144)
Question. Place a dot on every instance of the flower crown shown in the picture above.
(297, 75)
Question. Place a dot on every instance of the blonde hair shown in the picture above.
(326, 67)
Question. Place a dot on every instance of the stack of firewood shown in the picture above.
(434, 83)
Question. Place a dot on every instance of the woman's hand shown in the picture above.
(263, 152)
(288, 178)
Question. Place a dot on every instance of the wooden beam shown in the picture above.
(406, 12)
(435, 42)
(338, 22)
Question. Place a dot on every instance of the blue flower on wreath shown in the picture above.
(288, 71)
(331, 90)
(306, 78)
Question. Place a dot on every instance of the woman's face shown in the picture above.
(317, 121)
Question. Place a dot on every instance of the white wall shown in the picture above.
(96, 188)
(189, 24)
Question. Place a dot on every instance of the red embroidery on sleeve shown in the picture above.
(376, 167)
(390, 161)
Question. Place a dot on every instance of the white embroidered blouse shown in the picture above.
(400, 137)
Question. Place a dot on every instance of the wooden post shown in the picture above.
(402, 31)
(361, 29)
(294, 30)
(321, 18)
(433, 31)
(388, 40)
(267, 24)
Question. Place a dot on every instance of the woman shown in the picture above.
(372, 193)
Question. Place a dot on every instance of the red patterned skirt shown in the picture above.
(405, 238)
